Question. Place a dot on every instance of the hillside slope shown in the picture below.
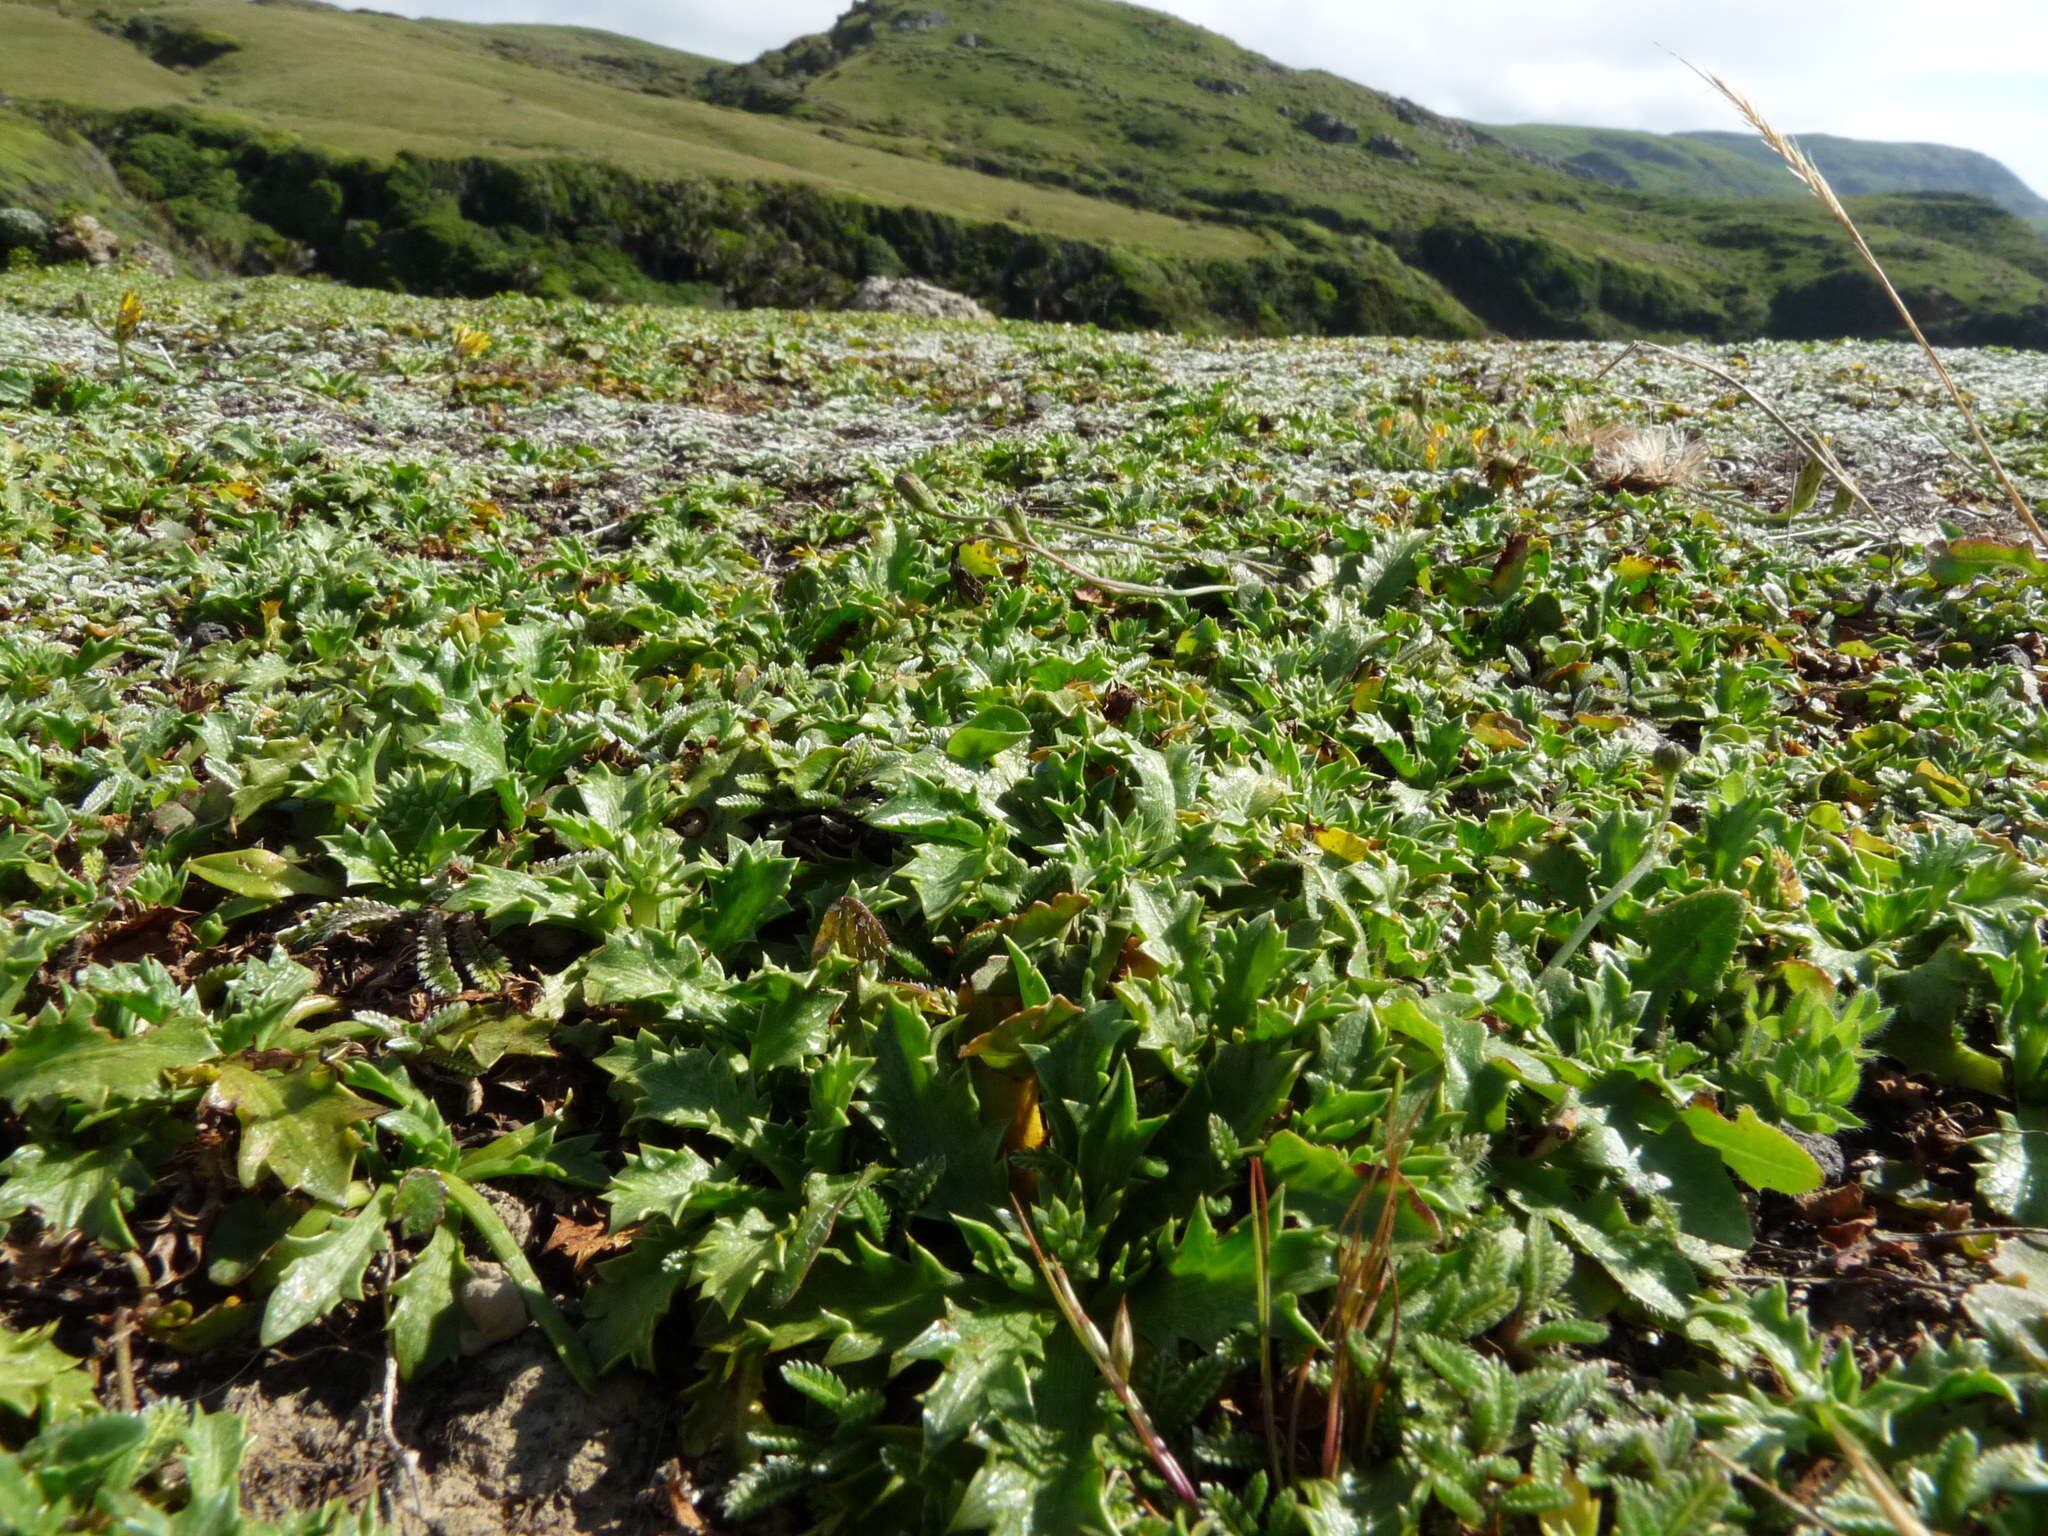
(1148, 110)
(1858, 166)
(367, 83)
(1067, 159)
(1716, 164)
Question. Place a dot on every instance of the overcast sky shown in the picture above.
(1968, 72)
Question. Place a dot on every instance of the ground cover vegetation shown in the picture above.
(550, 846)
(1059, 159)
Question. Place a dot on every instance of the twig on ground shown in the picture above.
(1904, 1519)
(407, 1458)
(1804, 1511)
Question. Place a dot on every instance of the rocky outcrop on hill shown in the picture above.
(913, 296)
(22, 229)
(81, 237)
(1330, 128)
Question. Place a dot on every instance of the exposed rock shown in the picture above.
(913, 296)
(1824, 1150)
(1387, 145)
(971, 40)
(918, 21)
(1330, 128)
(1459, 138)
(1413, 113)
(492, 1307)
(81, 237)
(151, 258)
(1220, 86)
(23, 229)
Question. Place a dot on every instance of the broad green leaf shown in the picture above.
(471, 738)
(826, 1197)
(1254, 955)
(743, 895)
(214, 1447)
(1761, 1155)
(2014, 1177)
(1323, 1184)
(930, 1116)
(1688, 943)
(38, 1378)
(655, 1182)
(426, 1319)
(27, 939)
(532, 1152)
(701, 1088)
(736, 1252)
(261, 873)
(266, 1000)
(322, 1271)
(87, 1189)
(631, 1297)
(420, 1204)
(1044, 1432)
(1957, 561)
(989, 732)
(62, 1056)
(942, 874)
(1388, 570)
(1630, 1131)
(2012, 1306)
(637, 964)
(1208, 1288)
(1642, 1261)
(298, 1125)
(972, 1345)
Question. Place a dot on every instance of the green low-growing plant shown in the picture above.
(1280, 958)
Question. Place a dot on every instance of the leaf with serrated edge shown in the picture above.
(295, 1124)
(322, 1271)
(426, 1320)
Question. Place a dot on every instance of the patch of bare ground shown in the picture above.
(504, 1446)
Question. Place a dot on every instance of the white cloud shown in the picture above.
(1972, 73)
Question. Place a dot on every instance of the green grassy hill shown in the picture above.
(1065, 159)
(1717, 164)
(1863, 166)
(1147, 110)
(1668, 164)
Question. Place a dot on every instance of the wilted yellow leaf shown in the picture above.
(978, 558)
(1348, 846)
(1501, 732)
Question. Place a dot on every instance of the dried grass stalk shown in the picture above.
(1810, 177)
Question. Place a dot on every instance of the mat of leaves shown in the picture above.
(1527, 1011)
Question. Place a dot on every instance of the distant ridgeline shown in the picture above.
(248, 200)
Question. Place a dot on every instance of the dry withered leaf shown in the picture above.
(580, 1242)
